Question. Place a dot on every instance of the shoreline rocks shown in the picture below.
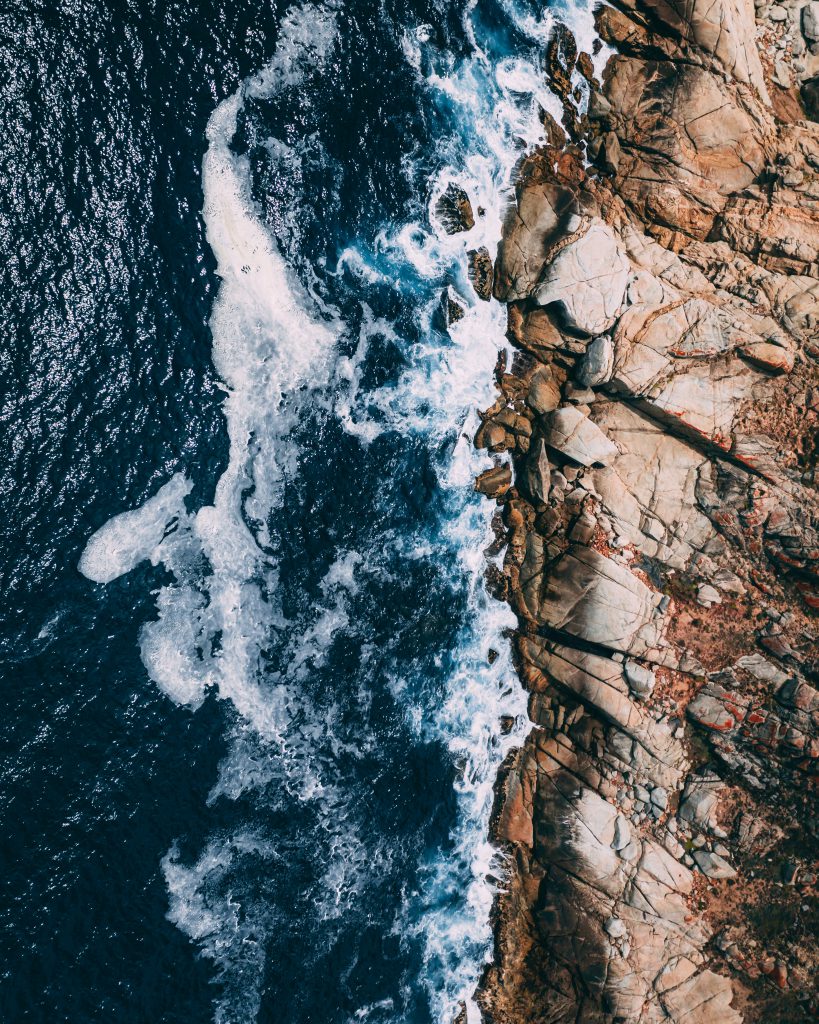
(656, 436)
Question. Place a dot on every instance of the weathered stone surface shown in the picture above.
(544, 392)
(725, 30)
(713, 865)
(543, 212)
(587, 279)
(598, 600)
(597, 364)
(537, 472)
(650, 486)
(494, 482)
(687, 141)
(641, 680)
(699, 799)
(575, 436)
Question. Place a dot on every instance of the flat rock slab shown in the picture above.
(599, 600)
(575, 436)
(588, 280)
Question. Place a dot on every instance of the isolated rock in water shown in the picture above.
(575, 436)
(454, 210)
(480, 272)
(537, 474)
(588, 279)
(597, 364)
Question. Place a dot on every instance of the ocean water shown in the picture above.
(253, 684)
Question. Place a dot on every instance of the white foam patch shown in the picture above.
(206, 907)
(270, 341)
(132, 537)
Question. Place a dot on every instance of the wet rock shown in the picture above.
(495, 482)
(492, 435)
(454, 210)
(480, 272)
(543, 211)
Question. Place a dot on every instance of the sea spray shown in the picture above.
(224, 624)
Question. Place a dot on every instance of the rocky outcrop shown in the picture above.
(655, 446)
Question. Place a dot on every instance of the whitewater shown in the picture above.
(235, 622)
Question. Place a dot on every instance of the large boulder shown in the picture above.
(543, 212)
(575, 436)
(687, 141)
(725, 30)
(587, 279)
(596, 599)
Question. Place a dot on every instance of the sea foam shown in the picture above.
(276, 348)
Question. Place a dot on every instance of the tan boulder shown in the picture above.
(587, 279)
(542, 212)
(598, 600)
(687, 142)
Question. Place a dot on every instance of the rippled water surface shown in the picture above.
(251, 723)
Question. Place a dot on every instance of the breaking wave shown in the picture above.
(332, 593)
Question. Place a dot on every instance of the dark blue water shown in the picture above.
(246, 777)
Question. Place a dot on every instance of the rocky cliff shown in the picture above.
(654, 440)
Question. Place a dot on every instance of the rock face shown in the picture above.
(655, 445)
